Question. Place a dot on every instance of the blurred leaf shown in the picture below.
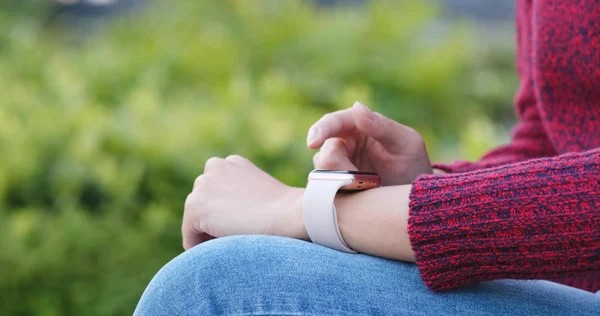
(102, 137)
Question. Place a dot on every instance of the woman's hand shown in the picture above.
(358, 139)
(234, 197)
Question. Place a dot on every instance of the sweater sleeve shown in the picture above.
(529, 137)
(529, 140)
(536, 219)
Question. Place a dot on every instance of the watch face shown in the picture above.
(360, 180)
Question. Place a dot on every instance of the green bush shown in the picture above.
(101, 138)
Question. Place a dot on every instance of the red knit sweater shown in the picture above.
(531, 209)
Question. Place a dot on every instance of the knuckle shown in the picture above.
(236, 158)
(213, 162)
(421, 146)
(326, 116)
(327, 120)
(415, 135)
(199, 181)
(409, 132)
(189, 202)
(420, 142)
(417, 141)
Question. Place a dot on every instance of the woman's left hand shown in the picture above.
(234, 197)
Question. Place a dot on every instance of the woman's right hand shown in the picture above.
(359, 139)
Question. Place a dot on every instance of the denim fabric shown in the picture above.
(263, 275)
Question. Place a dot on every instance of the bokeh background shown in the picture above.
(108, 110)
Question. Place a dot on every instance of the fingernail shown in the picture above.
(368, 113)
(313, 133)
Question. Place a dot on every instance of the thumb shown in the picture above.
(392, 135)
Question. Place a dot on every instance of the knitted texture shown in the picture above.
(514, 214)
(536, 219)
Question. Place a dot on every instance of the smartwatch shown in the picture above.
(319, 212)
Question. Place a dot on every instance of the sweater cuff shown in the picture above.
(516, 221)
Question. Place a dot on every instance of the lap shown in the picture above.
(263, 275)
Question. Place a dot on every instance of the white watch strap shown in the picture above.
(320, 216)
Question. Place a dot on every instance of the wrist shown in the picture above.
(375, 222)
(293, 221)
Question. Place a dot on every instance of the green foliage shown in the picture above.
(101, 139)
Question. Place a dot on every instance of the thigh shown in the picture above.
(262, 275)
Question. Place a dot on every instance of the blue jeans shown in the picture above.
(263, 275)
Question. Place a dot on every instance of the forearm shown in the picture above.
(535, 219)
(373, 222)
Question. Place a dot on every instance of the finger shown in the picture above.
(316, 160)
(190, 235)
(392, 135)
(192, 238)
(335, 124)
(215, 163)
(334, 155)
(239, 160)
(198, 181)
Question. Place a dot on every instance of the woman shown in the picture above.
(528, 210)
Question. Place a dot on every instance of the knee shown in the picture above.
(208, 268)
(227, 251)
